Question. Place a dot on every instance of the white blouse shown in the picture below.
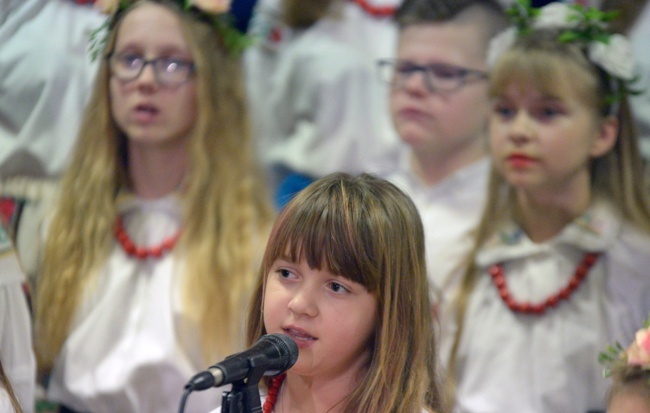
(132, 349)
(450, 210)
(5, 402)
(16, 353)
(317, 103)
(46, 77)
(511, 362)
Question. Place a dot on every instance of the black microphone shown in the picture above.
(271, 355)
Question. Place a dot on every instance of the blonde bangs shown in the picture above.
(540, 69)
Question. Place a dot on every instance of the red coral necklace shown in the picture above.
(142, 252)
(272, 395)
(377, 11)
(498, 278)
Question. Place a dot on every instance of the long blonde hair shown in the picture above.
(226, 211)
(367, 230)
(540, 59)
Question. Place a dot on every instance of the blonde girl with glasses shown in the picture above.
(151, 249)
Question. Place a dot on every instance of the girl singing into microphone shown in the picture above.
(344, 276)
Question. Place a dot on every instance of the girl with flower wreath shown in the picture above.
(630, 372)
(344, 275)
(150, 252)
(561, 256)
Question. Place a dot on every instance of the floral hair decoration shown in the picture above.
(610, 52)
(214, 12)
(637, 356)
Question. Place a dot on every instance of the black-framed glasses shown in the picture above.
(437, 76)
(169, 71)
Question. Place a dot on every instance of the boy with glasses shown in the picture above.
(439, 107)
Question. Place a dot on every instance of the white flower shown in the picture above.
(499, 44)
(615, 57)
(212, 6)
(556, 15)
(107, 6)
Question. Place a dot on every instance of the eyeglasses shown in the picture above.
(437, 76)
(168, 71)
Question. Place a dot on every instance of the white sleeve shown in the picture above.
(45, 80)
(16, 353)
(327, 111)
(641, 103)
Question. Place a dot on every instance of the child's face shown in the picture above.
(330, 317)
(440, 122)
(628, 402)
(544, 143)
(151, 113)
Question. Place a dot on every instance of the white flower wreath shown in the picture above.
(611, 52)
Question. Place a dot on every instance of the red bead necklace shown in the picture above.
(376, 11)
(272, 394)
(142, 252)
(499, 280)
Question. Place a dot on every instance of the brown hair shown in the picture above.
(367, 230)
(412, 12)
(630, 379)
(301, 14)
(629, 11)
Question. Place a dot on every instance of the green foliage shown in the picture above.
(234, 40)
(584, 25)
(521, 15)
(611, 357)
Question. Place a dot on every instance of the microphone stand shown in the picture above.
(244, 396)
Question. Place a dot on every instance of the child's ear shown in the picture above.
(606, 138)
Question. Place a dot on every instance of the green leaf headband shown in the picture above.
(215, 12)
(588, 26)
